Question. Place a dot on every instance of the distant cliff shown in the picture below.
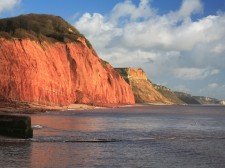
(45, 60)
(207, 100)
(222, 102)
(169, 94)
(187, 98)
(143, 89)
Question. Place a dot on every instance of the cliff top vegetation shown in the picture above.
(41, 27)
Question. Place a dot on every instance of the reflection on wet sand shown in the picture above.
(158, 136)
(67, 155)
(58, 152)
(55, 125)
(15, 154)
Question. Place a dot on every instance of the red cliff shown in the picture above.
(143, 89)
(58, 73)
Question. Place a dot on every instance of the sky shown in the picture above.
(179, 43)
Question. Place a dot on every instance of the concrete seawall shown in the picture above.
(15, 126)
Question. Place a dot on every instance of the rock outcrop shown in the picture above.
(143, 89)
(55, 65)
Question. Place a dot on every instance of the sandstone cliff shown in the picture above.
(55, 65)
(143, 89)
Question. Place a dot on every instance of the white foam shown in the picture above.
(37, 126)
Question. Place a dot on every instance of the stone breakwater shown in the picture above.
(16, 126)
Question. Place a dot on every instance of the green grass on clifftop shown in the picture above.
(41, 27)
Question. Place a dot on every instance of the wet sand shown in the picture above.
(30, 108)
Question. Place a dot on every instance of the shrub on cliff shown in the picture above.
(40, 27)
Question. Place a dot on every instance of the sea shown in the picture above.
(141, 136)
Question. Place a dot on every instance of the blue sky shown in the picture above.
(179, 43)
(68, 8)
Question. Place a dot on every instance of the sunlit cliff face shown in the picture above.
(58, 74)
(143, 89)
(47, 61)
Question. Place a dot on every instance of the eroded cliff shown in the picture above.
(143, 89)
(56, 72)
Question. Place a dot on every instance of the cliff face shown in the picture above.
(169, 94)
(58, 73)
(143, 89)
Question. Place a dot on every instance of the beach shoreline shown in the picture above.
(15, 107)
(12, 107)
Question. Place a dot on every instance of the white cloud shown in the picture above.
(7, 5)
(97, 29)
(194, 73)
(129, 10)
(214, 72)
(213, 85)
(189, 7)
(213, 90)
(183, 88)
(164, 45)
(152, 30)
(218, 49)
